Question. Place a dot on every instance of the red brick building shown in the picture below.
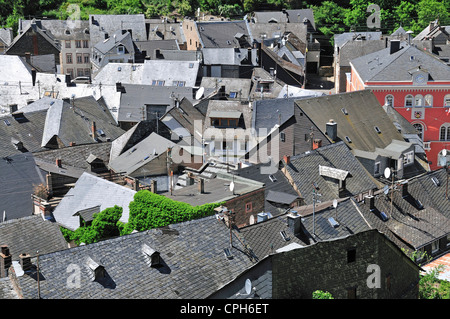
(416, 83)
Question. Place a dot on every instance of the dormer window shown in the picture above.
(121, 49)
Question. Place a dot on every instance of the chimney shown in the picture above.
(287, 159)
(5, 261)
(394, 46)
(28, 57)
(371, 200)
(98, 271)
(331, 130)
(94, 131)
(58, 162)
(342, 188)
(405, 189)
(25, 261)
(152, 255)
(33, 76)
(317, 143)
(136, 185)
(153, 186)
(201, 186)
(294, 222)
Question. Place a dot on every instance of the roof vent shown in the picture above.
(228, 253)
(419, 204)
(435, 181)
(333, 222)
(348, 139)
(284, 235)
(272, 178)
(152, 257)
(383, 216)
(344, 110)
(377, 129)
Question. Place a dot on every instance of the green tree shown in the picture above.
(430, 287)
(430, 10)
(329, 18)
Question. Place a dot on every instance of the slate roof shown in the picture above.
(36, 27)
(100, 24)
(268, 16)
(13, 69)
(6, 35)
(77, 155)
(409, 226)
(115, 39)
(279, 184)
(304, 171)
(164, 30)
(227, 56)
(193, 265)
(132, 161)
(356, 124)
(271, 112)
(90, 191)
(262, 31)
(298, 15)
(382, 66)
(161, 98)
(19, 175)
(341, 39)
(352, 49)
(221, 34)
(136, 134)
(31, 234)
(78, 29)
(239, 85)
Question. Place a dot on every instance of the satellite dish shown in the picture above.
(387, 172)
(248, 286)
(231, 186)
(199, 93)
(335, 203)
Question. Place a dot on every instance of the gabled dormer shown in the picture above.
(419, 75)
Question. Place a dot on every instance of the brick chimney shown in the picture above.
(58, 162)
(94, 131)
(5, 261)
(287, 159)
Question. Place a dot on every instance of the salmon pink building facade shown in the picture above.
(416, 84)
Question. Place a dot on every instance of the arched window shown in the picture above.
(445, 132)
(419, 129)
(389, 100)
(409, 100)
(418, 101)
(428, 100)
(447, 100)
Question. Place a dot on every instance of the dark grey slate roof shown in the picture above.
(99, 24)
(279, 184)
(356, 124)
(341, 39)
(347, 215)
(382, 66)
(76, 156)
(270, 112)
(19, 176)
(31, 234)
(304, 170)
(193, 265)
(408, 225)
(352, 49)
(115, 39)
(222, 34)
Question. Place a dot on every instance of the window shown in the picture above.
(409, 100)
(419, 130)
(408, 158)
(351, 255)
(389, 100)
(86, 58)
(120, 49)
(435, 246)
(428, 100)
(67, 44)
(221, 122)
(243, 145)
(78, 44)
(447, 100)
(79, 58)
(377, 168)
(69, 58)
(178, 83)
(87, 72)
(80, 72)
(248, 207)
(85, 43)
(70, 72)
(445, 132)
(418, 102)
(283, 136)
(233, 95)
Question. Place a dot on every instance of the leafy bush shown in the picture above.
(319, 294)
(149, 210)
